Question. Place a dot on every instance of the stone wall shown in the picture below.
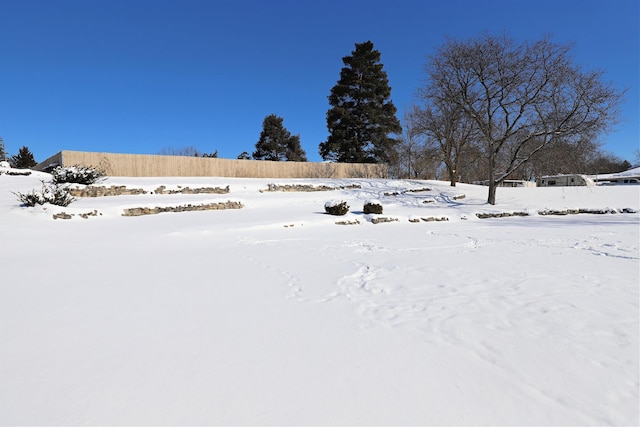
(183, 208)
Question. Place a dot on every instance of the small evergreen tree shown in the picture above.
(362, 115)
(24, 159)
(295, 153)
(244, 156)
(277, 143)
(3, 152)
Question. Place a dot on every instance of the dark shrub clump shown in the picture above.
(372, 207)
(336, 207)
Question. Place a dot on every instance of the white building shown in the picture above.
(630, 177)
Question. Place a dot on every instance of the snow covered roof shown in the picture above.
(633, 172)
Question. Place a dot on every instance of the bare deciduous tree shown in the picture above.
(187, 150)
(411, 158)
(409, 147)
(521, 97)
(449, 131)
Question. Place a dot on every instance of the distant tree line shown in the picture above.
(189, 151)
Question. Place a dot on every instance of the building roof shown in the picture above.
(631, 173)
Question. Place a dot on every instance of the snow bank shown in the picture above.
(273, 314)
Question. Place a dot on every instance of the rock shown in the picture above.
(62, 215)
(183, 208)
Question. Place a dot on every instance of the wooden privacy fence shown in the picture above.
(139, 165)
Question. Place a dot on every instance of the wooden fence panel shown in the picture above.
(140, 165)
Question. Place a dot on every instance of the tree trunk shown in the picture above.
(454, 170)
(492, 192)
(452, 175)
(493, 185)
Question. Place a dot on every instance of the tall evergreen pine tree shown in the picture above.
(362, 116)
(277, 143)
(24, 159)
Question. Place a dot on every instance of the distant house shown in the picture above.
(570, 180)
(629, 177)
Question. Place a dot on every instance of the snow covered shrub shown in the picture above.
(372, 207)
(336, 207)
(77, 175)
(50, 193)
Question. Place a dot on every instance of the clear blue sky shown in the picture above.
(134, 76)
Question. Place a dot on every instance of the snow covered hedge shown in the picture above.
(77, 175)
(372, 207)
(336, 207)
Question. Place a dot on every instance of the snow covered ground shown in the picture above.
(273, 314)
